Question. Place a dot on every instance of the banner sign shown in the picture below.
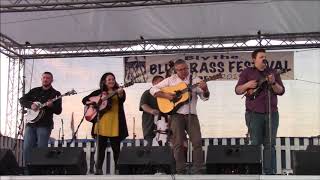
(142, 69)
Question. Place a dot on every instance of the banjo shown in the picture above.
(33, 116)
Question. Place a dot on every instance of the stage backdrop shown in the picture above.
(144, 68)
(221, 116)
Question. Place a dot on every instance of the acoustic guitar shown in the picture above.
(102, 101)
(181, 95)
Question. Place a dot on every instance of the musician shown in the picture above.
(112, 124)
(257, 108)
(180, 121)
(37, 134)
(149, 106)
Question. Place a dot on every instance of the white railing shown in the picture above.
(284, 147)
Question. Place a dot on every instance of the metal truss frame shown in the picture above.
(9, 47)
(167, 46)
(54, 5)
(15, 84)
(15, 90)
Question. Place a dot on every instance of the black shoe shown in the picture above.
(98, 172)
(181, 172)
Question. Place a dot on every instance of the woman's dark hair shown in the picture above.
(103, 80)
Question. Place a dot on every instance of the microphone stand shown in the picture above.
(269, 88)
(189, 121)
(59, 137)
(133, 132)
(62, 132)
(76, 132)
(269, 129)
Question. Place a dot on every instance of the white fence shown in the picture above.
(284, 148)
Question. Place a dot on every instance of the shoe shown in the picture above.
(181, 172)
(117, 172)
(98, 172)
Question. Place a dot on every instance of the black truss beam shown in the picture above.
(54, 5)
(170, 46)
(9, 47)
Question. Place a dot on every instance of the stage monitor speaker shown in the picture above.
(235, 159)
(315, 148)
(8, 163)
(57, 161)
(306, 162)
(146, 160)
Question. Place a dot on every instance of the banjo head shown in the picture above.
(33, 116)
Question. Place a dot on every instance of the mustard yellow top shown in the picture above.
(109, 122)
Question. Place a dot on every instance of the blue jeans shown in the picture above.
(258, 127)
(35, 137)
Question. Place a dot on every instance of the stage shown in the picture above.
(164, 177)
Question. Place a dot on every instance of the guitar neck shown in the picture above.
(205, 80)
(115, 92)
(192, 87)
(109, 96)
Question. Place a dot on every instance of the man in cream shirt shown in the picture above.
(180, 120)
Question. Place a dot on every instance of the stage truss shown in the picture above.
(54, 5)
(159, 46)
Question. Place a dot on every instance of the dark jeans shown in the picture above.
(34, 137)
(258, 126)
(102, 144)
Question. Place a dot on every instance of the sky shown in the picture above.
(221, 116)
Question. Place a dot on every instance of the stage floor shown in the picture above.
(164, 177)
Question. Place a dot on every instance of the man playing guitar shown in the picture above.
(37, 134)
(181, 121)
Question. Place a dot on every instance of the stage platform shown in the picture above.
(164, 177)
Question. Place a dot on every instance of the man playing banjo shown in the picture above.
(37, 132)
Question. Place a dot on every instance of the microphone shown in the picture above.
(170, 71)
(190, 82)
(171, 64)
(265, 62)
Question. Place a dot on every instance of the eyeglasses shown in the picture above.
(182, 69)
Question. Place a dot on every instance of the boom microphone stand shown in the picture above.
(189, 163)
(62, 132)
(269, 129)
(76, 132)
